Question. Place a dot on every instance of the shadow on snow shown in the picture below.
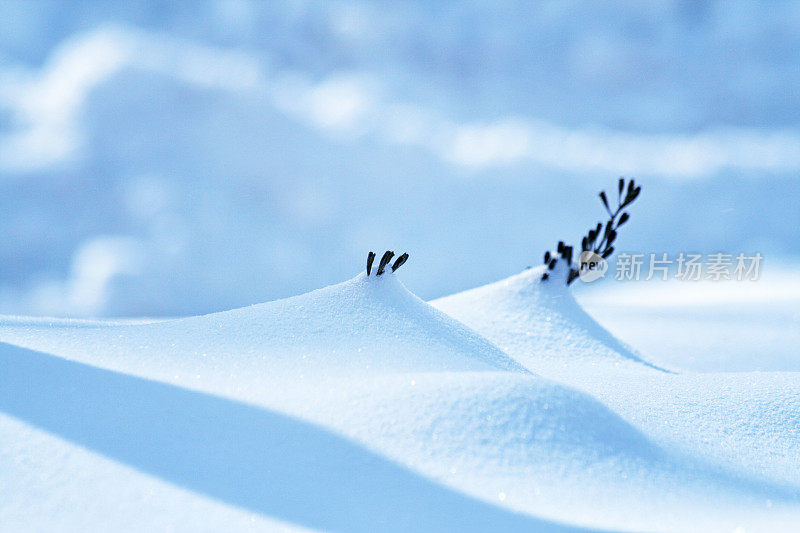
(246, 456)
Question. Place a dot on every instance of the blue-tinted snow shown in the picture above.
(162, 159)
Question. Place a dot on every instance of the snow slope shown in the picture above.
(367, 324)
(355, 407)
(740, 422)
(92, 448)
(542, 326)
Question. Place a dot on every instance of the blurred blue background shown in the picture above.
(162, 158)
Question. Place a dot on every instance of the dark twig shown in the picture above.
(384, 261)
(607, 234)
(399, 262)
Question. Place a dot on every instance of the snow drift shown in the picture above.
(722, 419)
(199, 402)
(541, 325)
(354, 407)
(367, 324)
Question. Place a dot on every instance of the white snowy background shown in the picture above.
(168, 159)
(162, 159)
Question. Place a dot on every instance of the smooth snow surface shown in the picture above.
(744, 424)
(542, 325)
(707, 326)
(367, 324)
(359, 407)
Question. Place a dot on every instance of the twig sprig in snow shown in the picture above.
(606, 234)
(384, 262)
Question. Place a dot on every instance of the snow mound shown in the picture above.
(367, 324)
(93, 446)
(541, 325)
(360, 407)
(433, 451)
(724, 420)
(476, 420)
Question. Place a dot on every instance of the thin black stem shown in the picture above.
(605, 246)
(611, 228)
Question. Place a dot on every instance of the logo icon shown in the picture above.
(592, 266)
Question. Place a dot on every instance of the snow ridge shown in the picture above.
(540, 324)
